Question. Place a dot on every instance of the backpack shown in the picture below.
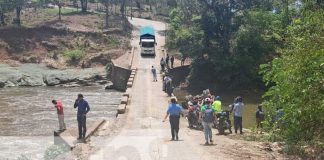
(208, 115)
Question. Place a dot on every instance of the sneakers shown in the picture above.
(206, 143)
(177, 138)
(211, 141)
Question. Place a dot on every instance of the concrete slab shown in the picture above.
(131, 80)
(94, 127)
(121, 109)
(133, 72)
(124, 100)
(132, 76)
(68, 138)
(129, 84)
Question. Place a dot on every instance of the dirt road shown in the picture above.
(144, 136)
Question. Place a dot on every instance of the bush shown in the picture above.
(74, 54)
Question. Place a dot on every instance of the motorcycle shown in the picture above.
(193, 119)
(223, 122)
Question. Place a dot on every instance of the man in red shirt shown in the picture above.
(58, 105)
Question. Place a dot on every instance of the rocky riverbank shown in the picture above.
(31, 75)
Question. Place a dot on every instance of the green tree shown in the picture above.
(296, 80)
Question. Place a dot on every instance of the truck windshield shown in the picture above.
(148, 44)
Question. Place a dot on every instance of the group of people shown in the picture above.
(207, 107)
(165, 62)
(83, 108)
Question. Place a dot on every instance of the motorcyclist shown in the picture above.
(217, 104)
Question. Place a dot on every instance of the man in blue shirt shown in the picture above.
(173, 113)
(83, 109)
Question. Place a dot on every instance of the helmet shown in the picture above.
(207, 100)
(218, 98)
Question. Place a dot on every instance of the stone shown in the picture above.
(2, 84)
(121, 109)
(124, 100)
(109, 85)
(129, 84)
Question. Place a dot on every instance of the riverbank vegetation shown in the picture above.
(276, 46)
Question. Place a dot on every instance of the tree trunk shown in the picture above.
(84, 5)
(2, 19)
(122, 8)
(107, 15)
(18, 11)
(60, 13)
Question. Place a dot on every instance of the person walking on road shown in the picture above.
(167, 59)
(172, 61)
(83, 109)
(238, 111)
(60, 114)
(173, 113)
(154, 74)
(207, 114)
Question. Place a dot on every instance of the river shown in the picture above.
(28, 118)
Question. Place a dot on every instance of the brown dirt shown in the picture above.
(44, 39)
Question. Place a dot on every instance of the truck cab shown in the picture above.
(147, 41)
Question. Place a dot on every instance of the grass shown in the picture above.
(74, 54)
(113, 43)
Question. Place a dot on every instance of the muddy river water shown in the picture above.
(28, 118)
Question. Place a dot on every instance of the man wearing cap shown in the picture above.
(83, 109)
(173, 113)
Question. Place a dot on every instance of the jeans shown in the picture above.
(208, 130)
(174, 122)
(82, 125)
(238, 124)
(61, 121)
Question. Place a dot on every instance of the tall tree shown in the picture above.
(106, 4)
(18, 7)
(84, 5)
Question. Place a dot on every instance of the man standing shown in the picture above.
(208, 117)
(217, 104)
(83, 109)
(172, 61)
(167, 61)
(259, 116)
(173, 113)
(238, 111)
(154, 74)
(162, 63)
(59, 107)
(183, 59)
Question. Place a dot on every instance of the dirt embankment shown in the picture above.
(77, 40)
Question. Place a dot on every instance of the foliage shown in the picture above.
(113, 43)
(236, 42)
(55, 150)
(296, 80)
(74, 54)
(23, 157)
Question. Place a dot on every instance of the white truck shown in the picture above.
(147, 41)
